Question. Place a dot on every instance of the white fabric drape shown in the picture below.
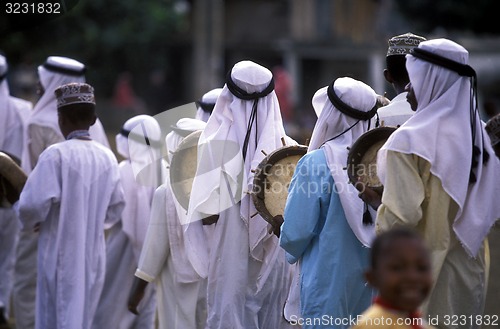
(331, 122)
(177, 214)
(221, 169)
(440, 132)
(208, 98)
(11, 117)
(45, 110)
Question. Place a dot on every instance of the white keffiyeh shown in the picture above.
(440, 132)
(332, 122)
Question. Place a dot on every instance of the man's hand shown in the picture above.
(276, 225)
(136, 294)
(369, 196)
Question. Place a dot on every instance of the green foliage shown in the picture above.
(110, 36)
(477, 16)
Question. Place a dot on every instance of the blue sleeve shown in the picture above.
(306, 198)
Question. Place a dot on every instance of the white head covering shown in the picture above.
(183, 127)
(4, 67)
(57, 71)
(331, 123)
(440, 132)
(139, 142)
(221, 168)
(207, 103)
(6, 111)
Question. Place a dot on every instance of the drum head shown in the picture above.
(12, 180)
(183, 168)
(362, 157)
(272, 179)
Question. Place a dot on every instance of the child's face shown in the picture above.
(403, 275)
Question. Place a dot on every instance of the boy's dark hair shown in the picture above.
(396, 65)
(385, 238)
(82, 113)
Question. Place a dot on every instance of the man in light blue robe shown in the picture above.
(325, 225)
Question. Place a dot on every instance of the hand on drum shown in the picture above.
(276, 225)
(368, 195)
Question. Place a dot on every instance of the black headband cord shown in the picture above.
(66, 71)
(206, 107)
(465, 71)
(242, 94)
(139, 138)
(346, 109)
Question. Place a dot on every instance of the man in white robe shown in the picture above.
(248, 276)
(73, 190)
(41, 131)
(181, 293)
(206, 104)
(141, 149)
(398, 110)
(12, 110)
(440, 176)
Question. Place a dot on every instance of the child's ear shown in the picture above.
(370, 278)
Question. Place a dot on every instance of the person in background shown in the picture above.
(206, 104)
(81, 192)
(493, 130)
(326, 227)
(139, 143)
(42, 130)
(181, 292)
(398, 110)
(400, 271)
(248, 277)
(12, 115)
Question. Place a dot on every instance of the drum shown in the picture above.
(272, 179)
(12, 180)
(183, 168)
(362, 157)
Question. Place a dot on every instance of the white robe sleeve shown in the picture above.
(116, 203)
(42, 190)
(156, 248)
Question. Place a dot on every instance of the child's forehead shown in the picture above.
(402, 245)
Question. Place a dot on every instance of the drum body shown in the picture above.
(12, 180)
(362, 157)
(183, 168)
(272, 179)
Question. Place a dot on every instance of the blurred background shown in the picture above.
(149, 56)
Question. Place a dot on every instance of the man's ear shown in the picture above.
(370, 278)
(388, 76)
(94, 119)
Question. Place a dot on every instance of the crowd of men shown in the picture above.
(87, 235)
